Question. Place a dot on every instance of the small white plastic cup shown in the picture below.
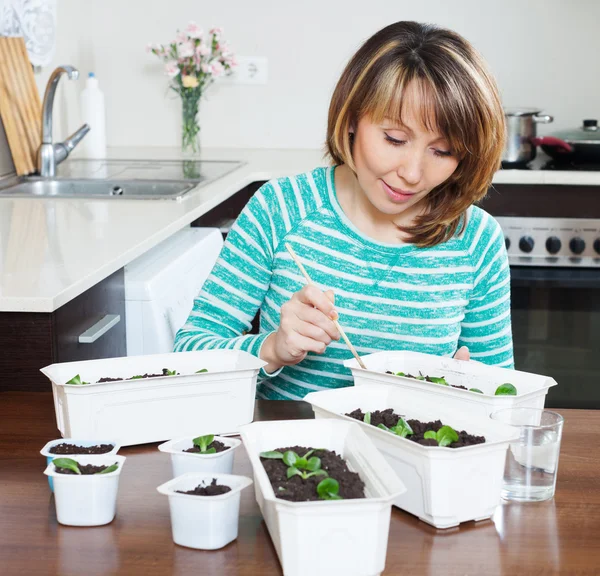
(45, 451)
(204, 522)
(532, 459)
(86, 499)
(184, 462)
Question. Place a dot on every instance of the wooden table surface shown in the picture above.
(561, 536)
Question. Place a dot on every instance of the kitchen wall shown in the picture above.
(543, 53)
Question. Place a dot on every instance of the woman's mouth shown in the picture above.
(396, 194)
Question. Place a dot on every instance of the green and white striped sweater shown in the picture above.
(389, 297)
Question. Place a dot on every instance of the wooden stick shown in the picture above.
(337, 324)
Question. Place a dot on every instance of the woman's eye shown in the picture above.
(394, 141)
(444, 153)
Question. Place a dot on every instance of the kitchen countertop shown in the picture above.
(550, 538)
(54, 249)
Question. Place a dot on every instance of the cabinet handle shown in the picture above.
(99, 328)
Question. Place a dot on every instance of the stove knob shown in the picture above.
(553, 245)
(577, 245)
(526, 244)
(507, 243)
(597, 245)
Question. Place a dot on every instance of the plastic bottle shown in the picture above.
(92, 112)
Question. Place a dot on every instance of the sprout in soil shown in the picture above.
(444, 436)
(328, 489)
(203, 442)
(506, 389)
(437, 380)
(401, 429)
(200, 371)
(70, 464)
(77, 381)
(475, 390)
(367, 418)
(304, 466)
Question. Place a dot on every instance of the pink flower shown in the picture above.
(216, 31)
(185, 50)
(193, 30)
(202, 50)
(180, 38)
(205, 68)
(217, 69)
(172, 69)
(149, 47)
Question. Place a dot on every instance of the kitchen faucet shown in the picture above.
(50, 154)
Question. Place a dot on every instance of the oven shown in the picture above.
(552, 234)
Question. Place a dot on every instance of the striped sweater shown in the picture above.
(389, 297)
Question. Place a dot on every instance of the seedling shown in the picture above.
(200, 371)
(475, 390)
(401, 429)
(367, 418)
(70, 464)
(506, 389)
(77, 381)
(437, 380)
(444, 436)
(203, 442)
(328, 489)
(304, 466)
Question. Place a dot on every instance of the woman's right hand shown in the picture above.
(306, 325)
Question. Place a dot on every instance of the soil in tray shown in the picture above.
(390, 419)
(84, 469)
(428, 379)
(74, 449)
(213, 489)
(165, 372)
(218, 446)
(296, 489)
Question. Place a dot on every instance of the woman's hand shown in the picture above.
(306, 325)
(462, 354)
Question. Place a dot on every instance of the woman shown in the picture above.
(415, 134)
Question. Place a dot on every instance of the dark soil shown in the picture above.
(74, 449)
(84, 469)
(298, 490)
(428, 379)
(390, 419)
(218, 446)
(213, 489)
(140, 377)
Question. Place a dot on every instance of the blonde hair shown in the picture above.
(461, 101)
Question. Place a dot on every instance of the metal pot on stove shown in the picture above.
(521, 127)
(579, 145)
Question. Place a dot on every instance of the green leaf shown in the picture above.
(167, 372)
(383, 427)
(400, 374)
(212, 450)
(506, 389)
(437, 380)
(367, 418)
(67, 463)
(316, 473)
(301, 463)
(77, 381)
(328, 489)
(200, 371)
(446, 435)
(203, 442)
(272, 454)
(108, 470)
(136, 377)
(293, 471)
(430, 435)
(313, 464)
(308, 454)
(475, 390)
(290, 458)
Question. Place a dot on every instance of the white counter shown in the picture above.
(52, 250)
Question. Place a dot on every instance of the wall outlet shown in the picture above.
(250, 70)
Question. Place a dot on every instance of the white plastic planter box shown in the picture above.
(86, 500)
(337, 537)
(204, 522)
(154, 409)
(531, 388)
(445, 486)
(184, 462)
(45, 451)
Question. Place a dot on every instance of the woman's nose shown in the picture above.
(410, 167)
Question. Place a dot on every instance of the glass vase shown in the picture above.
(190, 129)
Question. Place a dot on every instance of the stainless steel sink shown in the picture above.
(135, 179)
(98, 189)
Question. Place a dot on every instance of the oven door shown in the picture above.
(556, 331)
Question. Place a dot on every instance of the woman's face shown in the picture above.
(397, 165)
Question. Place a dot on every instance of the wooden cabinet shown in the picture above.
(31, 340)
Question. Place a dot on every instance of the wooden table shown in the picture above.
(561, 536)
